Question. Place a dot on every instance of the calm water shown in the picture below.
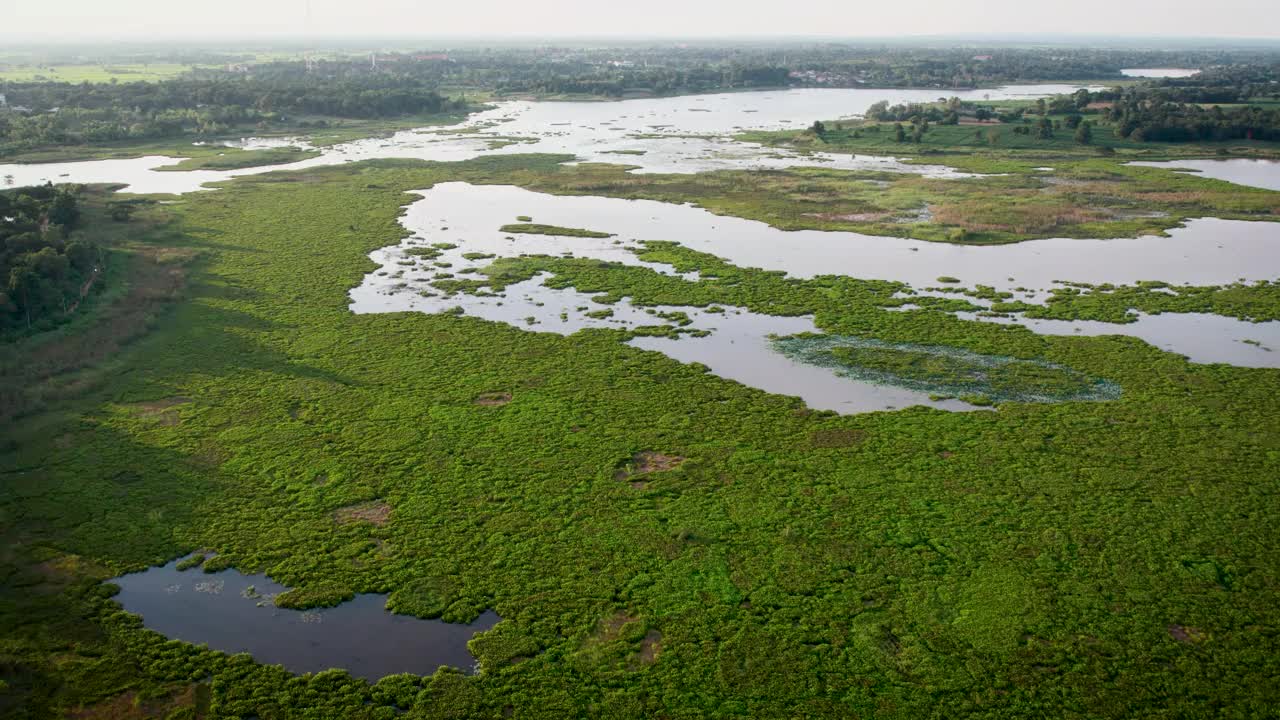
(1201, 337)
(359, 636)
(1158, 72)
(1205, 252)
(682, 135)
(1208, 252)
(694, 134)
(1241, 171)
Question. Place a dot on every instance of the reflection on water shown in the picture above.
(1241, 171)
(464, 221)
(1205, 252)
(234, 613)
(1201, 337)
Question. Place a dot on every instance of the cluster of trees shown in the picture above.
(45, 267)
(1153, 120)
(1166, 111)
(206, 103)
(1191, 109)
(949, 111)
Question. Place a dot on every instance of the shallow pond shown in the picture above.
(1241, 171)
(232, 612)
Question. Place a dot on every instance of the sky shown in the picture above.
(159, 19)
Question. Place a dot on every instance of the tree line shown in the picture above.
(205, 104)
(46, 266)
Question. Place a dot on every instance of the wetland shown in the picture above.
(659, 407)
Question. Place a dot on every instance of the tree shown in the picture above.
(899, 134)
(818, 128)
(1084, 133)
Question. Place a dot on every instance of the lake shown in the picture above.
(683, 134)
(1158, 72)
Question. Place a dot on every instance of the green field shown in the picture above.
(119, 72)
(1090, 559)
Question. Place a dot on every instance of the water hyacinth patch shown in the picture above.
(945, 370)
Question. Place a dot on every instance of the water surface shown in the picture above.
(1158, 72)
(359, 636)
(1241, 171)
(684, 134)
(734, 342)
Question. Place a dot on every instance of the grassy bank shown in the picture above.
(1101, 558)
(1086, 198)
(232, 159)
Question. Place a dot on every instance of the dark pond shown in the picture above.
(233, 612)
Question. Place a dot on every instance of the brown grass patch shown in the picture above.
(161, 410)
(377, 512)
(127, 705)
(1181, 197)
(650, 647)
(651, 462)
(837, 438)
(1022, 218)
(852, 217)
(643, 463)
(610, 628)
(493, 399)
(1187, 634)
(67, 569)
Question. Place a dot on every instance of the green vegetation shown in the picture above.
(232, 159)
(1257, 302)
(795, 562)
(96, 73)
(280, 98)
(539, 229)
(190, 562)
(1085, 198)
(47, 267)
(947, 371)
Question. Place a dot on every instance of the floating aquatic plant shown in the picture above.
(947, 371)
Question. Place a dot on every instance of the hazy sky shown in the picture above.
(849, 18)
